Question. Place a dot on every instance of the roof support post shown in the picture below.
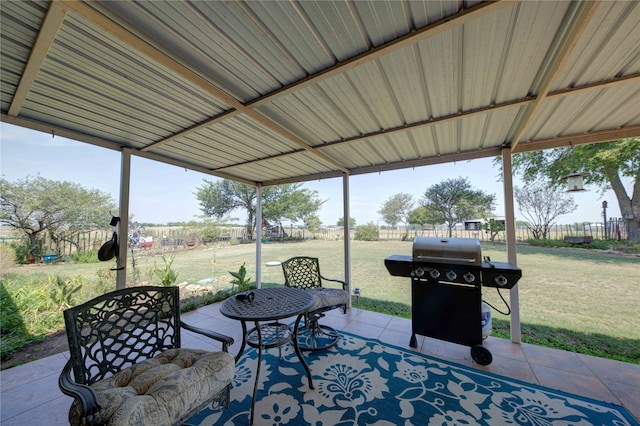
(347, 234)
(259, 236)
(510, 232)
(123, 240)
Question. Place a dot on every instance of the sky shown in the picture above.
(162, 193)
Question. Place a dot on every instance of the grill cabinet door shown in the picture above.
(448, 312)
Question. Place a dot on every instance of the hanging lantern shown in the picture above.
(575, 182)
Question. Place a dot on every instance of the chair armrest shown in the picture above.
(345, 286)
(87, 398)
(226, 340)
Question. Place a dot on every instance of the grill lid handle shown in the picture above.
(446, 259)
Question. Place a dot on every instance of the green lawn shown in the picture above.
(569, 298)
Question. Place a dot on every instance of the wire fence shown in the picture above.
(160, 239)
(614, 229)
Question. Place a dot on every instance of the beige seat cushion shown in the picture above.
(160, 390)
(325, 297)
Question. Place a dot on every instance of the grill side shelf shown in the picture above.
(500, 274)
(494, 274)
(399, 265)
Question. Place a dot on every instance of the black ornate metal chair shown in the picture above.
(128, 366)
(304, 272)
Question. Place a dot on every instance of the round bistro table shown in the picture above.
(264, 307)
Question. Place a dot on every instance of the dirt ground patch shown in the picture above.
(51, 345)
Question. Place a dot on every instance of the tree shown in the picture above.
(422, 216)
(312, 223)
(396, 209)
(368, 232)
(38, 206)
(352, 221)
(206, 228)
(541, 205)
(493, 227)
(606, 164)
(290, 201)
(454, 200)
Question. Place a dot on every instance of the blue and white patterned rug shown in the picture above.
(365, 382)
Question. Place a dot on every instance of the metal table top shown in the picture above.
(268, 304)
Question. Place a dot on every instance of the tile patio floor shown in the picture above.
(30, 394)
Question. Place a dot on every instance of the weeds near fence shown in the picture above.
(621, 246)
(194, 302)
(89, 256)
(63, 291)
(240, 278)
(542, 242)
(168, 275)
(32, 306)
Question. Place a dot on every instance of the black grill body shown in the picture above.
(446, 295)
(446, 311)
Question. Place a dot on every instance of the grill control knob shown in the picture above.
(501, 280)
(451, 276)
(435, 273)
(418, 272)
(469, 277)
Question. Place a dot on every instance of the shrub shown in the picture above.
(630, 247)
(595, 244)
(62, 291)
(10, 319)
(21, 250)
(30, 312)
(539, 242)
(167, 275)
(240, 278)
(7, 257)
(599, 245)
(106, 280)
(89, 256)
(31, 305)
(368, 232)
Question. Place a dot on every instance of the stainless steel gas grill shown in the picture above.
(447, 276)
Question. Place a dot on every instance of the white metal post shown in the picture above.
(123, 240)
(510, 232)
(259, 236)
(347, 231)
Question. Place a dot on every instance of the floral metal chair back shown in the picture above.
(302, 272)
(121, 328)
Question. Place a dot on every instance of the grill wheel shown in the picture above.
(481, 355)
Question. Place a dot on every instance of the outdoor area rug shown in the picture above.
(366, 382)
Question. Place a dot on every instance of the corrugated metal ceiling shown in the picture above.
(274, 91)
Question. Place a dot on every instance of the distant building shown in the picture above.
(476, 224)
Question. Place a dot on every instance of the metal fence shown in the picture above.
(614, 229)
(177, 237)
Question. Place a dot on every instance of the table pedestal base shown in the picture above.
(271, 335)
(268, 306)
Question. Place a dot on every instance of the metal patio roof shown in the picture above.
(268, 92)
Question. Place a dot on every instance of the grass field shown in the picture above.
(564, 293)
